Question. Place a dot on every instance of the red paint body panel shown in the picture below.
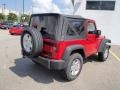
(91, 47)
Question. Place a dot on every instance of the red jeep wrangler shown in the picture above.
(63, 42)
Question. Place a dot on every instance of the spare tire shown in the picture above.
(31, 42)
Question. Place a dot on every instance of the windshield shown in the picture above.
(46, 24)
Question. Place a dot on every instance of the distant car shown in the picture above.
(6, 25)
(1, 25)
(17, 29)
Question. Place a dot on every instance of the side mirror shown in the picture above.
(98, 32)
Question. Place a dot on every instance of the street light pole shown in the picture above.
(32, 8)
(3, 8)
(23, 7)
(23, 13)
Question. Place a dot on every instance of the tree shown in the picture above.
(25, 18)
(12, 17)
(2, 17)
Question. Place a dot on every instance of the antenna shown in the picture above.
(23, 7)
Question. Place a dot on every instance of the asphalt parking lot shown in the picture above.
(22, 74)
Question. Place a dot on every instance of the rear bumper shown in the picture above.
(50, 63)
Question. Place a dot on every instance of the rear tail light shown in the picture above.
(55, 52)
(49, 48)
(54, 49)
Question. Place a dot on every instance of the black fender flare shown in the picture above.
(71, 48)
(104, 41)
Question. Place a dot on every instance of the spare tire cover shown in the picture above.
(31, 42)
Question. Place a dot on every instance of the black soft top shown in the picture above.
(55, 24)
(61, 15)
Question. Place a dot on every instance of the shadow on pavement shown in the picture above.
(93, 58)
(25, 67)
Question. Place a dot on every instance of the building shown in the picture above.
(106, 13)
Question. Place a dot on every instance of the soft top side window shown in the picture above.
(75, 28)
(91, 28)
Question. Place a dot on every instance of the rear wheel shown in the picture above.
(102, 56)
(74, 67)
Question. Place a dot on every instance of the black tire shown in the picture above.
(66, 73)
(102, 56)
(37, 42)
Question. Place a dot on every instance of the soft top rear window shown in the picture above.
(46, 24)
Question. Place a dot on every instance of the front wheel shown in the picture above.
(74, 66)
(102, 56)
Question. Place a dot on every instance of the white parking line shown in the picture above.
(115, 55)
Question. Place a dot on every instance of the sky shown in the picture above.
(40, 6)
(16, 4)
